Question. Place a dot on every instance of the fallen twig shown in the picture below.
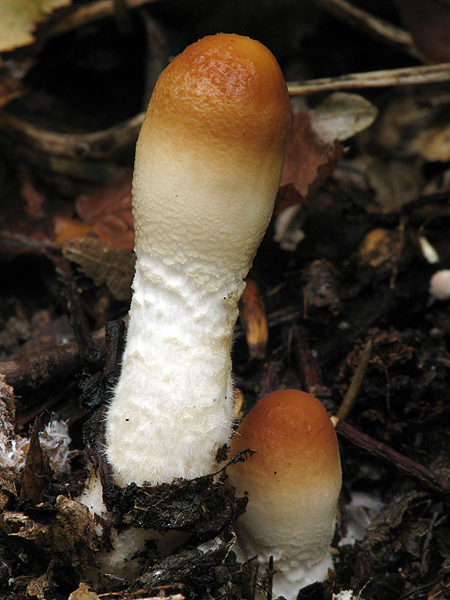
(355, 384)
(405, 465)
(96, 145)
(34, 369)
(375, 27)
(392, 77)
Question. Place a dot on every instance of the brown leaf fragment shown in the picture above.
(309, 161)
(384, 535)
(16, 525)
(83, 593)
(8, 488)
(66, 229)
(7, 396)
(39, 586)
(253, 318)
(73, 534)
(13, 448)
(104, 264)
(378, 247)
(433, 143)
(37, 472)
(108, 211)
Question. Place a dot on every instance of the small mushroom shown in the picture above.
(293, 485)
(440, 285)
(208, 166)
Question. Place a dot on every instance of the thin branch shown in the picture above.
(355, 384)
(96, 145)
(375, 27)
(32, 369)
(392, 77)
(88, 13)
(429, 479)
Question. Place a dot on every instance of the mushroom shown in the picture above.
(440, 285)
(208, 165)
(293, 485)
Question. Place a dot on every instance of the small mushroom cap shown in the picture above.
(293, 483)
(295, 441)
(440, 285)
(210, 153)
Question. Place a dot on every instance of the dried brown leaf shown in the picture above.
(73, 533)
(342, 115)
(21, 527)
(83, 593)
(433, 143)
(66, 229)
(108, 211)
(104, 264)
(309, 161)
(378, 247)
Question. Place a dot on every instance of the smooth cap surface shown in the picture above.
(296, 444)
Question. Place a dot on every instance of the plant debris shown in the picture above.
(338, 302)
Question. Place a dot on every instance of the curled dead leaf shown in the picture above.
(314, 147)
(104, 264)
(342, 115)
(309, 161)
(73, 534)
(106, 212)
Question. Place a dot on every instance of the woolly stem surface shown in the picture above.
(172, 408)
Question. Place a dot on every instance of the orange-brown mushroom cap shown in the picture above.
(226, 89)
(293, 485)
(295, 441)
(211, 152)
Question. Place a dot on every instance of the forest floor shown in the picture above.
(342, 279)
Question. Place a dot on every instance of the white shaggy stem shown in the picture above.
(176, 374)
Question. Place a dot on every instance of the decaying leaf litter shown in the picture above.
(361, 225)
